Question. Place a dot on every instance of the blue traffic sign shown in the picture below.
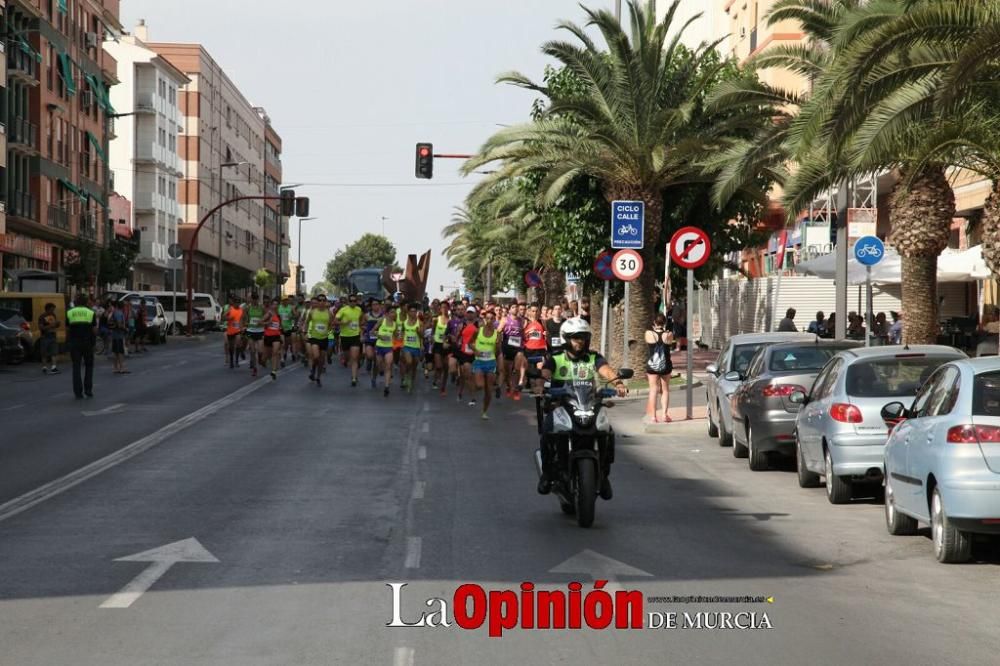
(869, 250)
(627, 222)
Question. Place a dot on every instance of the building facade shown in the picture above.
(276, 239)
(221, 150)
(59, 119)
(144, 155)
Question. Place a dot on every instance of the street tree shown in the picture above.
(369, 251)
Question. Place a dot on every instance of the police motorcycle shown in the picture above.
(574, 425)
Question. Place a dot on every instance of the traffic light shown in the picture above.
(302, 207)
(425, 160)
(287, 203)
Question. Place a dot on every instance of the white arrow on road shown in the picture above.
(117, 407)
(598, 567)
(162, 558)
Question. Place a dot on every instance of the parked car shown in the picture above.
(30, 306)
(942, 461)
(210, 309)
(13, 319)
(763, 414)
(11, 351)
(735, 356)
(840, 434)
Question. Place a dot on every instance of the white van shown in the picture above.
(205, 303)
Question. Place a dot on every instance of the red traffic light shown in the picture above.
(425, 151)
(425, 160)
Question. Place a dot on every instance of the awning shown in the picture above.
(97, 146)
(66, 69)
(62, 7)
(74, 189)
(26, 47)
(951, 268)
(101, 93)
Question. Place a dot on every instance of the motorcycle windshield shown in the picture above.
(581, 395)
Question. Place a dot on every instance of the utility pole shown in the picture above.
(618, 10)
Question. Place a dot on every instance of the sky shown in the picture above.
(351, 87)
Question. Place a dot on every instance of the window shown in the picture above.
(826, 380)
(163, 138)
(891, 377)
(163, 88)
(945, 392)
(172, 96)
(48, 65)
(173, 143)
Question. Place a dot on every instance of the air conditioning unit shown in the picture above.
(91, 40)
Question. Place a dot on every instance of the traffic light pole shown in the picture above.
(189, 259)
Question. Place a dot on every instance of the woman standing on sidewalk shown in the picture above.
(658, 369)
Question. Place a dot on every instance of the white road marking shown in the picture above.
(12, 407)
(162, 558)
(38, 495)
(422, 453)
(117, 407)
(413, 545)
(599, 567)
(426, 428)
(403, 657)
(418, 489)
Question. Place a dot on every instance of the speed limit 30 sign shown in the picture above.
(627, 265)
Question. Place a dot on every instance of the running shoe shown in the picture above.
(282, 362)
(517, 396)
(319, 384)
(444, 392)
(496, 392)
(312, 376)
(434, 386)
(374, 378)
(385, 392)
(472, 403)
(253, 372)
(354, 383)
(274, 375)
(485, 416)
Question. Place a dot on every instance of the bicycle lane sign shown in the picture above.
(627, 224)
(869, 250)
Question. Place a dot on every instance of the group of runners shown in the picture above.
(480, 350)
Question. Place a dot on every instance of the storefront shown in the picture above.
(19, 252)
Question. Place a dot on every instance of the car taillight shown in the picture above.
(781, 390)
(973, 434)
(845, 413)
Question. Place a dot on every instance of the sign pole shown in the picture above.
(690, 353)
(666, 282)
(624, 363)
(173, 323)
(868, 312)
(604, 322)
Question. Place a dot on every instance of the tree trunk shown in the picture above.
(921, 223)
(991, 229)
(642, 292)
(553, 286)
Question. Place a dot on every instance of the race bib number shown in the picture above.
(319, 328)
(485, 356)
(514, 341)
(353, 327)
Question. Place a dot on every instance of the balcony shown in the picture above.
(23, 205)
(88, 227)
(22, 134)
(151, 252)
(58, 218)
(21, 65)
(154, 152)
(151, 202)
(144, 103)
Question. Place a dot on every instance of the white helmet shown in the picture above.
(575, 327)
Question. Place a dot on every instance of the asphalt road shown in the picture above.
(296, 506)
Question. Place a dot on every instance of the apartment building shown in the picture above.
(276, 239)
(144, 155)
(58, 119)
(748, 34)
(221, 147)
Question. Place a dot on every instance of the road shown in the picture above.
(296, 506)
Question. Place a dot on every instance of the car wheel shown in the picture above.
(176, 329)
(898, 524)
(807, 479)
(758, 459)
(838, 491)
(713, 430)
(950, 544)
(739, 450)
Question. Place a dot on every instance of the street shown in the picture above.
(295, 507)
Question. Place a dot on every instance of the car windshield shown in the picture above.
(743, 354)
(890, 377)
(150, 311)
(807, 357)
(986, 394)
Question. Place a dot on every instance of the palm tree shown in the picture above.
(627, 128)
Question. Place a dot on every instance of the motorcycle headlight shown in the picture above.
(583, 416)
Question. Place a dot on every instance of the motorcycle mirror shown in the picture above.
(626, 373)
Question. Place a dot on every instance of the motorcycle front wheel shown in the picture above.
(585, 491)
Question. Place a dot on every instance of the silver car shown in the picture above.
(840, 434)
(735, 356)
(942, 461)
(763, 415)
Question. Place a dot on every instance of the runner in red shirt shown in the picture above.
(535, 346)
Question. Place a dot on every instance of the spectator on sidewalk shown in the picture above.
(81, 334)
(818, 325)
(787, 325)
(658, 370)
(118, 326)
(48, 346)
(896, 330)
(103, 326)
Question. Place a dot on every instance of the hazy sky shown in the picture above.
(352, 86)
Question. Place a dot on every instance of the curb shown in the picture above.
(635, 394)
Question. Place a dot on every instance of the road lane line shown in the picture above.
(422, 453)
(413, 545)
(426, 427)
(418, 489)
(403, 657)
(51, 489)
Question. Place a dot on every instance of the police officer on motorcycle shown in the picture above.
(574, 364)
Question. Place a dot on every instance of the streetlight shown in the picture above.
(224, 165)
(299, 269)
(384, 218)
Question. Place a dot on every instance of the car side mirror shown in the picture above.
(733, 376)
(798, 398)
(893, 414)
(712, 369)
(626, 373)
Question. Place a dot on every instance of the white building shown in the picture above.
(144, 155)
